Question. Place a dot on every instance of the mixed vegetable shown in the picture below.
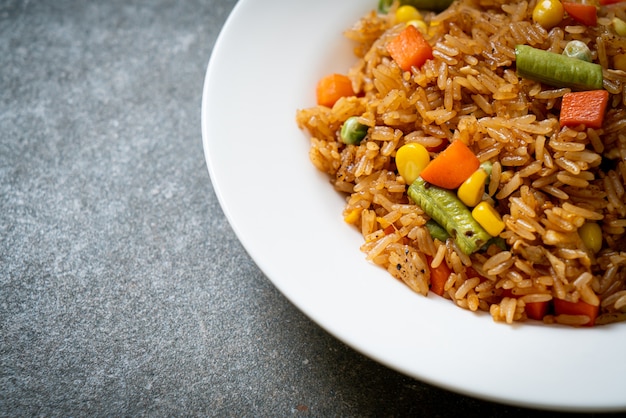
(557, 70)
(409, 48)
(451, 185)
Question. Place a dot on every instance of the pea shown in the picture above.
(591, 235)
(557, 70)
(352, 131)
(577, 49)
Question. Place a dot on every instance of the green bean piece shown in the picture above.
(437, 231)
(445, 208)
(433, 5)
(557, 70)
(352, 131)
(577, 49)
(498, 242)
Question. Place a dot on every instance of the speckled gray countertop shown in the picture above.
(123, 290)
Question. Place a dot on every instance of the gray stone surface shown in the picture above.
(123, 290)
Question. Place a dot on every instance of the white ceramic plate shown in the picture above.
(264, 66)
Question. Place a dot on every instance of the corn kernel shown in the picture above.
(352, 217)
(434, 27)
(411, 159)
(620, 26)
(407, 13)
(548, 13)
(419, 24)
(619, 62)
(487, 216)
(591, 235)
(472, 190)
(384, 223)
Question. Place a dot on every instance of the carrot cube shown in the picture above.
(409, 48)
(584, 107)
(333, 87)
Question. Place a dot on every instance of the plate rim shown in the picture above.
(240, 9)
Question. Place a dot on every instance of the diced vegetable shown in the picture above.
(411, 159)
(537, 310)
(438, 277)
(534, 310)
(409, 48)
(384, 223)
(556, 69)
(619, 25)
(564, 307)
(452, 166)
(352, 216)
(584, 107)
(434, 5)
(578, 49)
(488, 167)
(489, 218)
(591, 235)
(389, 229)
(407, 13)
(471, 190)
(419, 25)
(619, 62)
(333, 87)
(471, 273)
(587, 14)
(498, 242)
(352, 131)
(548, 13)
(607, 2)
(448, 211)
(437, 231)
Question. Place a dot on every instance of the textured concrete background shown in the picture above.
(123, 290)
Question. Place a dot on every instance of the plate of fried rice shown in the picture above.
(442, 190)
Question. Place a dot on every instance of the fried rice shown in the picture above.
(546, 180)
